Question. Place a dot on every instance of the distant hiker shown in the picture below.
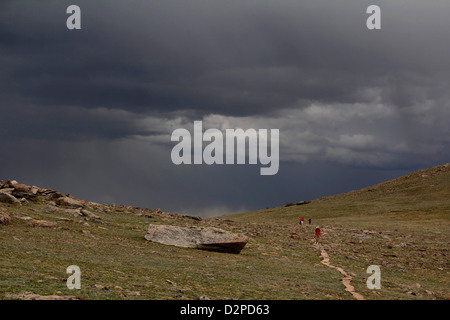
(317, 235)
(301, 221)
(309, 221)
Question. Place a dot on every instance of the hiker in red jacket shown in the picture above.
(301, 221)
(317, 235)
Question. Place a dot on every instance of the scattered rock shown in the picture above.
(295, 236)
(8, 198)
(42, 223)
(21, 187)
(72, 212)
(25, 218)
(34, 190)
(63, 219)
(52, 195)
(68, 202)
(196, 218)
(100, 287)
(171, 282)
(9, 183)
(5, 219)
(351, 258)
(33, 296)
(204, 238)
(289, 204)
(89, 214)
(297, 203)
(209, 276)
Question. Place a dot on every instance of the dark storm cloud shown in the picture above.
(226, 57)
(72, 123)
(129, 172)
(90, 112)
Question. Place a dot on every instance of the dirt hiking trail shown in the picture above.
(345, 280)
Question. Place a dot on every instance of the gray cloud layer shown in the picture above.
(100, 103)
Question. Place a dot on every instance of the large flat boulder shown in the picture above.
(204, 238)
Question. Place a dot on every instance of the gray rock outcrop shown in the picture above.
(68, 202)
(8, 198)
(5, 219)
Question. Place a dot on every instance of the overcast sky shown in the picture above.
(90, 112)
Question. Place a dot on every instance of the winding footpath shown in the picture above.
(345, 280)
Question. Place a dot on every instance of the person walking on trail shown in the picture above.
(317, 235)
(301, 221)
(309, 220)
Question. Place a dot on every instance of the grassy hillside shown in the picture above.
(422, 197)
(401, 225)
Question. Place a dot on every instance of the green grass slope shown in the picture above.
(400, 225)
(422, 197)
